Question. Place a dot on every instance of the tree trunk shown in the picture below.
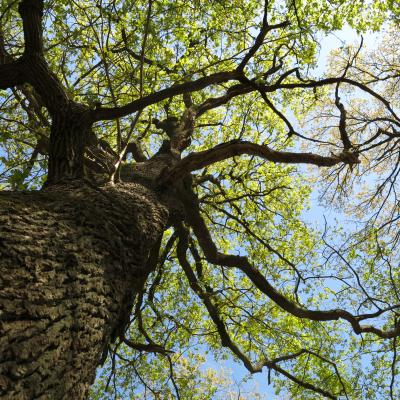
(69, 134)
(71, 260)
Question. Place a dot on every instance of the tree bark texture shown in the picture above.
(71, 259)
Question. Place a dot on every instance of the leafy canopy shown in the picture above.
(111, 53)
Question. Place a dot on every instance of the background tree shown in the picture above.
(166, 137)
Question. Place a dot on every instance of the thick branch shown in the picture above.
(31, 12)
(186, 87)
(136, 151)
(223, 151)
(33, 64)
(47, 85)
(182, 139)
(8, 62)
(246, 86)
(69, 120)
(214, 102)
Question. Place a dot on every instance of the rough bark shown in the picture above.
(69, 133)
(71, 259)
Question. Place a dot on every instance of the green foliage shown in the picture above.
(255, 209)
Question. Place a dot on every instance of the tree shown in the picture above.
(167, 137)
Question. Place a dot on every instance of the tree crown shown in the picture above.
(229, 92)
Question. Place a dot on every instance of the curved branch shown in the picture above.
(31, 12)
(249, 85)
(223, 333)
(32, 63)
(195, 161)
(213, 256)
(344, 136)
(214, 102)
